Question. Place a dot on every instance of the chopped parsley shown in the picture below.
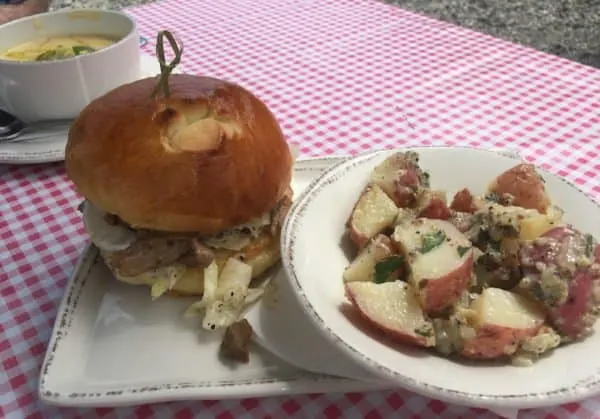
(424, 330)
(494, 245)
(430, 241)
(425, 179)
(492, 197)
(589, 245)
(462, 250)
(385, 269)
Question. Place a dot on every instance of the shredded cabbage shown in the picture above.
(239, 237)
(211, 279)
(254, 294)
(166, 278)
(224, 299)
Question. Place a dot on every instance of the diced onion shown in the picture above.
(235, 274)
(224, 299)
(165, 280)
(211, 280)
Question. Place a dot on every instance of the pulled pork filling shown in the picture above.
(132, 252)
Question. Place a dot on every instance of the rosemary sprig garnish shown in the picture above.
(166, 68)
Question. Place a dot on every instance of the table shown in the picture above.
(342, 76)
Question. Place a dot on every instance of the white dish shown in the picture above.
(59, 89)
(315, 269)
(52, 149)
(280, 325)
(112, 346)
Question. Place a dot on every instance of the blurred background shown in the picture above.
(567, 28)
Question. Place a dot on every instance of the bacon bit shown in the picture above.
(436, 208)
(463, 202)
(236, 341)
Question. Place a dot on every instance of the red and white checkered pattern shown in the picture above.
(342, 76)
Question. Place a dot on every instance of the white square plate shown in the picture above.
(112, 346)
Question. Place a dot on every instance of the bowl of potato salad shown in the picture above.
(463, 274)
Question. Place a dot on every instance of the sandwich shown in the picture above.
(184, 193)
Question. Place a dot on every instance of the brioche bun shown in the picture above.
(206, 158)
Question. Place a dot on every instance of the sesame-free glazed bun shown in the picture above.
(208, 157)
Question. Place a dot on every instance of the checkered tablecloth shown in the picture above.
(342, 76)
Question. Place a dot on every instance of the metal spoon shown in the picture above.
(14, 130)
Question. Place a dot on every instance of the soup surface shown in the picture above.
(56, 48)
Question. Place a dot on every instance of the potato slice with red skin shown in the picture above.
(463, 201)
(440, 259)
(525, 185)
(401, 178)
(373, 212)
(576, 317)
(432, 204)
(559, 274)
(392, 307)
(501, 320)
(362, 268)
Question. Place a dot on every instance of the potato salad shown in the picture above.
(493, 277)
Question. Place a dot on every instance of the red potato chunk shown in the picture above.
(432, 204)
(401, 178)
(392, 307)
(576, 317)
(440, 260)
(524, 185)
(532, 348)
(501, 321)
(363, 267)
(560, 271)
(374, 212)
(463, 201)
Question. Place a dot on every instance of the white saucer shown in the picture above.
(52, 149)
(279, 323)
(280, 326)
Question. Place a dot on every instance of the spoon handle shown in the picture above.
(46, 125)
(31, 134)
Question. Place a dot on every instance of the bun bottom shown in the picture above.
(261, 254)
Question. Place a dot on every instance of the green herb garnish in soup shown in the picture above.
(82, 49)
(57, 48)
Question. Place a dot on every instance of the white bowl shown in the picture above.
(314, 261)
(44, 90)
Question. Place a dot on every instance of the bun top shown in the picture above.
(205, 159)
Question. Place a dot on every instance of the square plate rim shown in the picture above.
(123, 395)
